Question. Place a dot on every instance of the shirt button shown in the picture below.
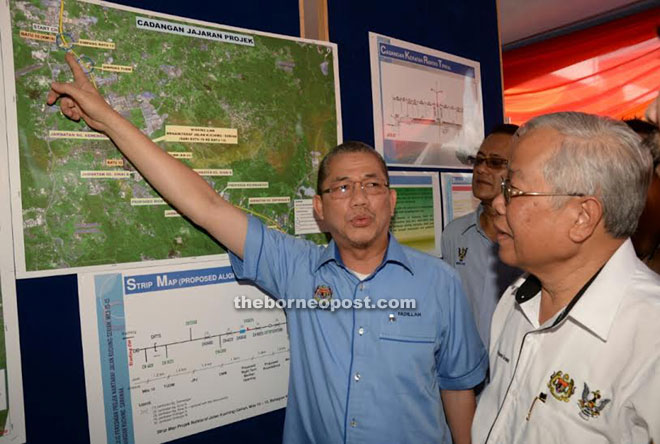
(361, 286)
(361, 331)
(357, 376)
(391, 317)
(353, 423)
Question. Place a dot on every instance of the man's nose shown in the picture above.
(499, 204)
(358, 194)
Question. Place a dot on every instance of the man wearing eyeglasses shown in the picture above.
(468, 243)
(386, 375)
(575, 343)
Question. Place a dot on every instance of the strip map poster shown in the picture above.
(167, 354)
(252, 113)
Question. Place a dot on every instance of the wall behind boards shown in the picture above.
(51, 348)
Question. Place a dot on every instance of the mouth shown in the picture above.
(361, 220)
(501, 234)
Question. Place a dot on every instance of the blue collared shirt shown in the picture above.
(466, 247)
(367, 376)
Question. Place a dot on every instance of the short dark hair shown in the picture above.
(348, 147)
(504, 128)
(642, 127)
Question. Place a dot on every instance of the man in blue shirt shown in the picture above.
(468, 243)
(357, 376)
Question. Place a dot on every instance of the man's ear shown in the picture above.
(588, 213)
(318, 207)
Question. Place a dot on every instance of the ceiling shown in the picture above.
(524, 21)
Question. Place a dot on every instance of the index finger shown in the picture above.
(76, 69)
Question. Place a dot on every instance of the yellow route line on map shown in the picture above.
(61, 30)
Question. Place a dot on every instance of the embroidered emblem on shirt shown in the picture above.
(462, 252)
(589, 405)
(561, 386)
(323, 295)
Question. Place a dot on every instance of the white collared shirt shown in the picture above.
(592, 378)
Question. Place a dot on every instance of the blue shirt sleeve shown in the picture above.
(461, 360)
(270, 258)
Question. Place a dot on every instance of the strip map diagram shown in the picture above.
(251, 113)
(167, 354)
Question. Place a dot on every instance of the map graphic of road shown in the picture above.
(167, 354)
(252, 113)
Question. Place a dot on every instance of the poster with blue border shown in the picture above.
(168, 353)
(428, 108)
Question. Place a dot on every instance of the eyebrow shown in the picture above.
(366, 176)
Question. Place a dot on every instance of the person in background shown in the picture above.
(575, 345)
(468, 243)
(356, 376)
(646, 238)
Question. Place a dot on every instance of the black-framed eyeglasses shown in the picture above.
(509, 192)
(494, 163)
(372, 187)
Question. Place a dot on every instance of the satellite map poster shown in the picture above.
(428, 110)
(253, 113)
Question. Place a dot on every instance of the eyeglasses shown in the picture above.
(495, 163)
(371, 187)
(509, 192)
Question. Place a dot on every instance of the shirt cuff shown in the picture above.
(469, 380)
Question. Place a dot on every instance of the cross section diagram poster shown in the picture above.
(252, 113)
(428, 109)
(167, 354)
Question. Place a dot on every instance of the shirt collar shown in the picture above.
(599, 305)
(597, 308)
(394, 254)
(476, 222)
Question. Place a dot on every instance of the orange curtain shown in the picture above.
(611, 69)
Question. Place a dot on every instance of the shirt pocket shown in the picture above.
(407, 351)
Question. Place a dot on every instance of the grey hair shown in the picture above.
(601, 157)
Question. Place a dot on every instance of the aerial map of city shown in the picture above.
(253, 114)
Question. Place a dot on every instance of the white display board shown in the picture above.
(167, 354)
(428, 110)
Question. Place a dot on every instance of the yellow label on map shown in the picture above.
(105, 174)
(76, 135)
(171, 213)
(213, 172)
(200, 134)
(37, 36)
(180, 154)
(95, 44)
(114, 162)
(247, 185)
(142, 201)
(116, 68)
(268, 200)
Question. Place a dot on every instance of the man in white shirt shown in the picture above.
(575, 344)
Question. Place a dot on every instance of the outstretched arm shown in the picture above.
(177, 183)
